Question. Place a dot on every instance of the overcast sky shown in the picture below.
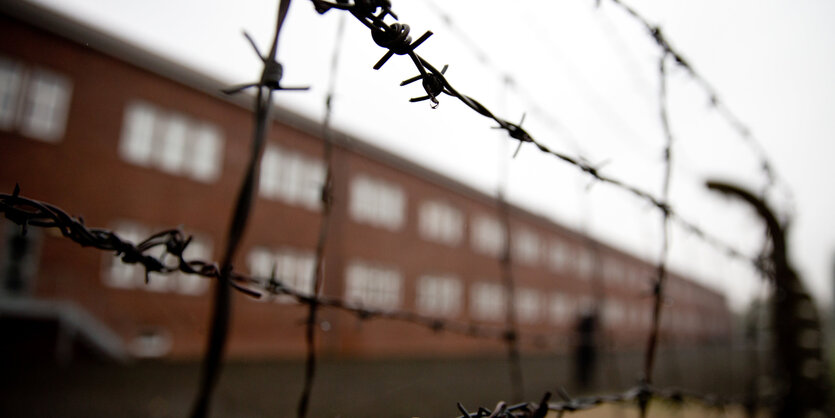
(587, 80)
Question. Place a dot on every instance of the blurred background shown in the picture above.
(113, 112)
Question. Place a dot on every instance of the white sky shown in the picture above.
(594, 71)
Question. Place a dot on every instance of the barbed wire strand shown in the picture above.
(28, 212)
(173, 243)
(395, 38)
(506, 265)
(222, 309)
(599, 309)
(509, 81)
(511, 332)
(674, 396)
(754, 319)
(324, 227)
(661, 268)
(721, 107)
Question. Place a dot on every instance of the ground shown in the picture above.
(347, 387)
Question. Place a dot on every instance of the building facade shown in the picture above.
(137, 144)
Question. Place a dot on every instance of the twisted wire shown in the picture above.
(639, 393)
(396, 39)
(661, 267)
(436, 85)
(324, 228)
(743, 131)
(173, 243)
(29, 212)
(222, 303)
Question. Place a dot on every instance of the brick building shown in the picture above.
(136, 143)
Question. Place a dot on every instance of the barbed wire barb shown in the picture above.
(222, 304)
(363, 11)
(326, 197)
(743, 131)
(394, 37)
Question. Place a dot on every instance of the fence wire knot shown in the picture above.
(271, 75)
(396, 39)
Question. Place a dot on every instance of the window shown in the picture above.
(647, 317)
(171, 142)
(291, 177)
(691, 322)
(613, 313)
(128, 276)
(487, 301)
(633, 315)
(292, 268)
(206, 153)
(561, 308)
(137, 134)
(585, 305)
(643, 278)
(631, 277)
(488, 236)
(170, 152)
(558, 256)
(377, 202)
(528, 305)
(441, 222)
(525, 246)
(372, 287)
(612, 271)
(35, 102)
(151, 342)
(439, 295)
(585, 263)
(11, 82)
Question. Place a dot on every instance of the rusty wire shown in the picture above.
(661, 267)
(29, 212)
(395, 38)
(510, 81)
(511, 333)
(640, 393)
(324, 228)
(221, 310)
(721, 107)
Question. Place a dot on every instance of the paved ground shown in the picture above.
(345, 388)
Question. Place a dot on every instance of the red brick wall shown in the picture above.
(84, 174)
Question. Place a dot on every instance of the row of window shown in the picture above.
(35, 102)
(378, 287)
(382, 204)
(291, 177)
(180, 145)
(170, 142)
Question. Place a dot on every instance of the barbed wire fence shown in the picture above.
(327, 206)
(395, 39)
